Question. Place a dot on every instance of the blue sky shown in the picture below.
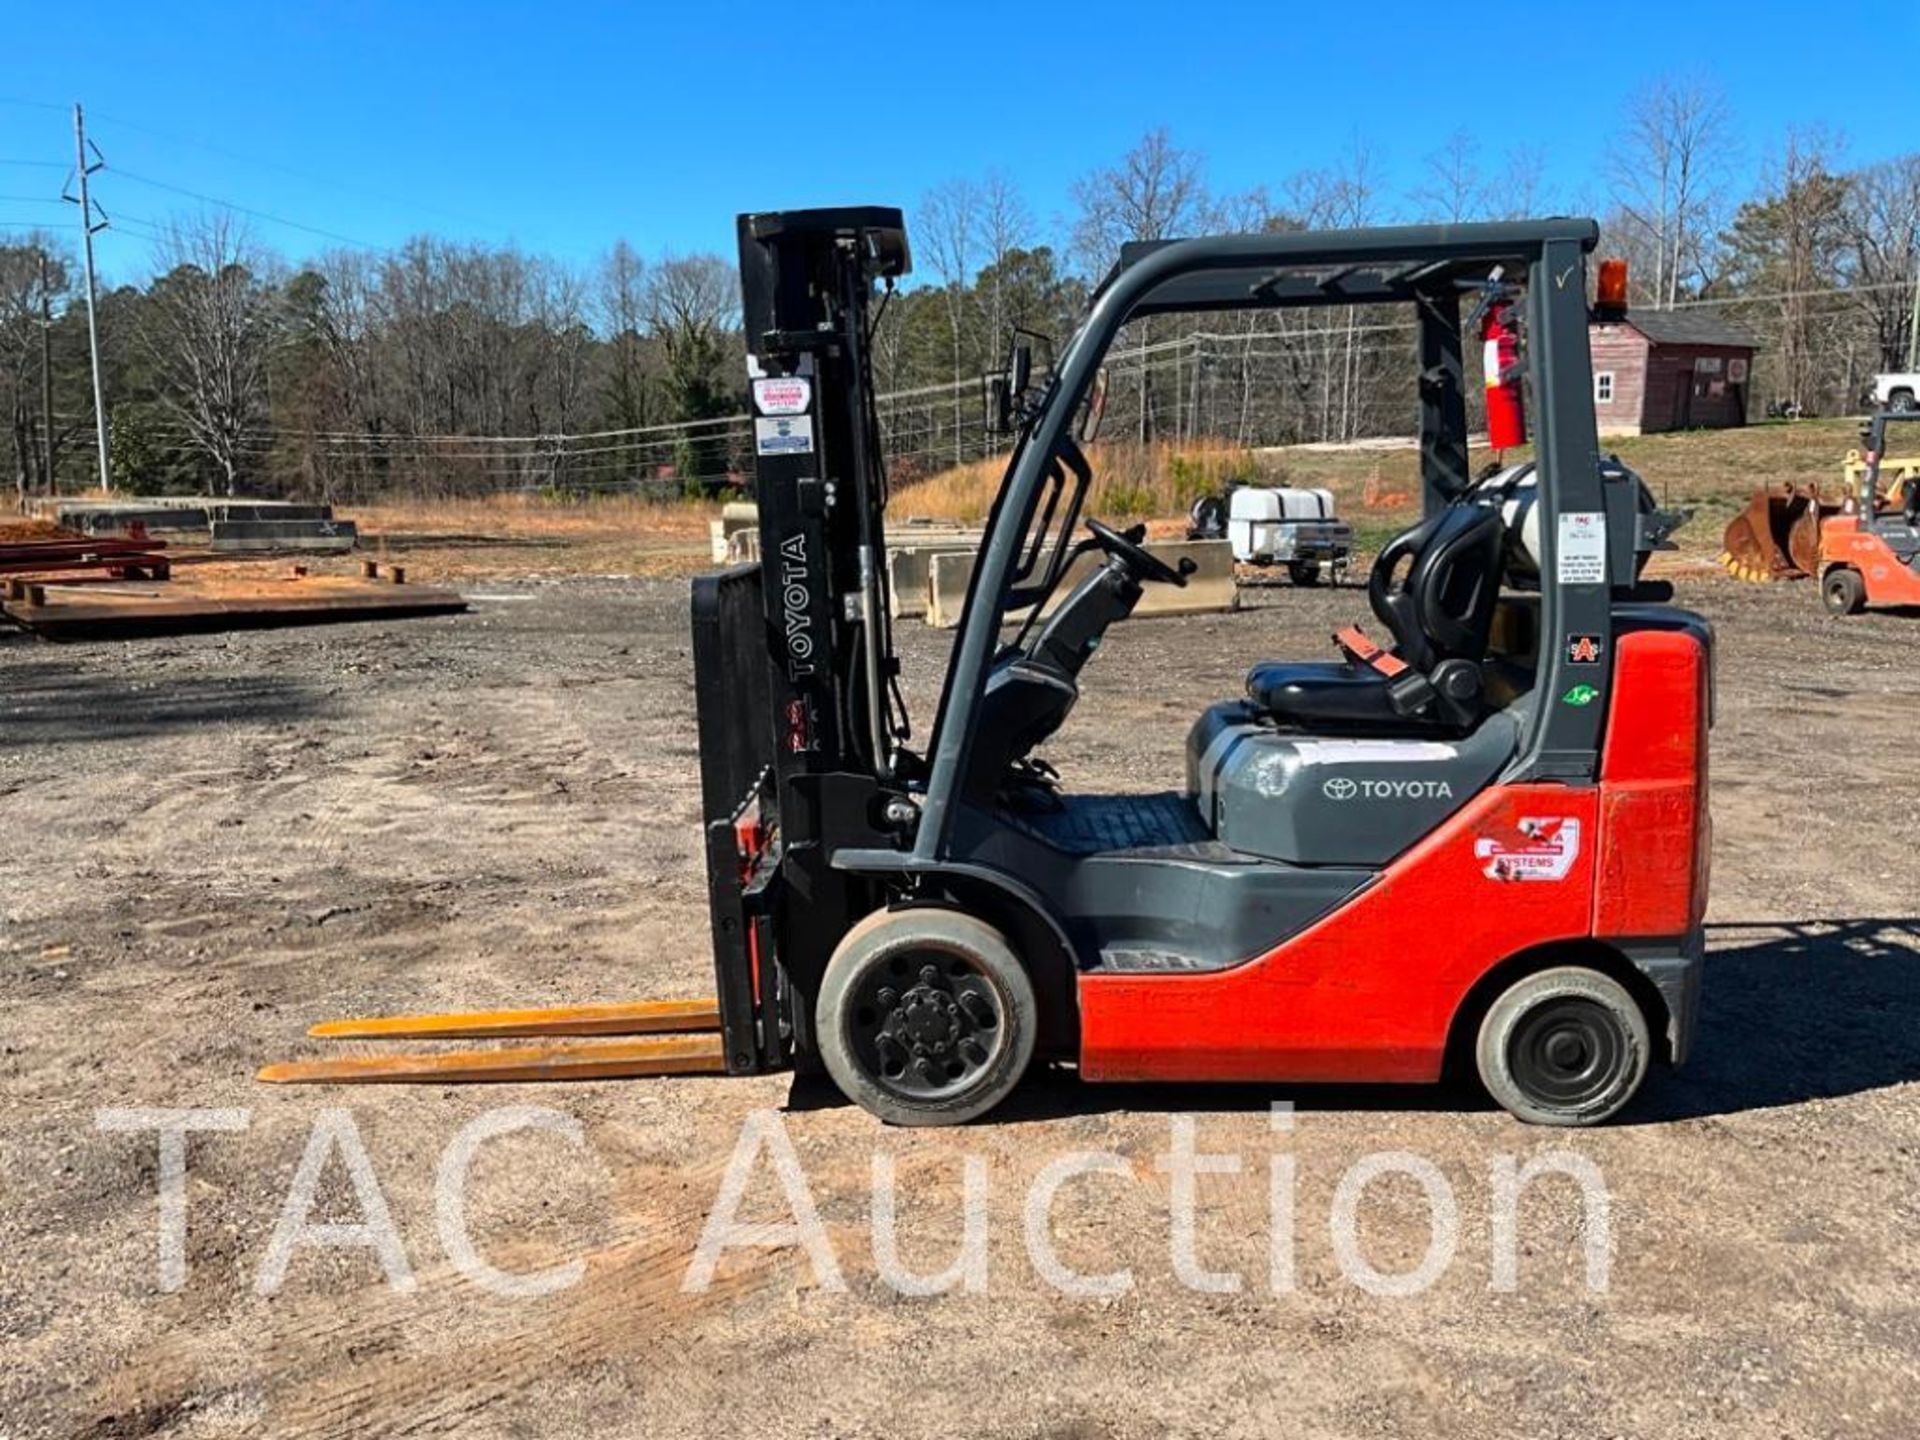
(562, 126)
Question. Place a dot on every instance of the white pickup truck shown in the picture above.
(1899, 391)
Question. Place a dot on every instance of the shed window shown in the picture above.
(1603, 387)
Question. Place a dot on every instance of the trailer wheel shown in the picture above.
(1304, 572)
(926, 1016)
(1844, 591)
(1567, 1046)
(1901, 402)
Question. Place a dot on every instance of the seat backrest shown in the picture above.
(1441, 607)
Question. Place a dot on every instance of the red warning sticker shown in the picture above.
(1544, 849)
(782, 395)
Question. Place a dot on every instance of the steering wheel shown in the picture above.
(1128, 550)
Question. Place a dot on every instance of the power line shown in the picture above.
(265, 215)
(342, 185)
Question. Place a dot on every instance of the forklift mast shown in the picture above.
(795, 675)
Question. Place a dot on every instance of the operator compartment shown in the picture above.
(1351, 761)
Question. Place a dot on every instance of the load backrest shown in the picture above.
(1441, 608)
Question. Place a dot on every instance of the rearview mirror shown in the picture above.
(999, 400)
(1095, 408)
(1020, 370)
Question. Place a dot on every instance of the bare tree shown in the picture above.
(1342, 196)
(620, 301)
(693, 308)
(208, 329)
(1454, 189)
(1669, 172)
(1004, 224)
(948, 221)
(1793, 238)
(691, 301)
(1519, 192)
(33, 277)
(1882, 222)
(1155, 192)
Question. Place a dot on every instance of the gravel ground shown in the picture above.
(213, 842)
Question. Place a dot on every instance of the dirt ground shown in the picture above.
(213, 842)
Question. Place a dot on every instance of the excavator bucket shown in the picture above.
(677, 1037)
(1777, 537)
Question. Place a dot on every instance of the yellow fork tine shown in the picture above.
(616, 1060)
(640, 1017)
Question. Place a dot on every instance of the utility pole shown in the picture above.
(46, 379)
(83, 167)
(1913, 323)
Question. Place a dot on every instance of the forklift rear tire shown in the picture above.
(1567, 1046)
(1844, 591)
(926, 1016)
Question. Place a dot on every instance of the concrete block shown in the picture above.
(120, 519)
(245, 510)
(910, 570)
(735, 516)
(326, 536)
(1209, 588)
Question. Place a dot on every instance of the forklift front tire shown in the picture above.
(1304, 572)
(1567, 1046)
(1844, 590)
(926, 1016)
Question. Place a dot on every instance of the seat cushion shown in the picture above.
(1332, 695)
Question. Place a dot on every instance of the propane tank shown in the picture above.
(1506, 410)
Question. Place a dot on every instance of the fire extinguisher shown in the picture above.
(1506, 409)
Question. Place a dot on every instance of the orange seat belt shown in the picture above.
(1354, 641)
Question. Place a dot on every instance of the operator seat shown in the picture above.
(1440, 614)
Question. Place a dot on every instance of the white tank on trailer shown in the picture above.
(1285, 524)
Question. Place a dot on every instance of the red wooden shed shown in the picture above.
(1670, 370)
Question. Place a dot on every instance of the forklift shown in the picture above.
(1870, 552)
(1863, 545)
(1474, 840)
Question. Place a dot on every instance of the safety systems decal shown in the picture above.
(783, 435)
(1544, 849)
(1580, 696)
(783, 395)
(1581, 556)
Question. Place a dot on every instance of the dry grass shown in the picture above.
(1129, 481)
(537, 517)
(534, 536)
(16, 528)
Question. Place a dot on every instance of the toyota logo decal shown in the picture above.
(1339, 788)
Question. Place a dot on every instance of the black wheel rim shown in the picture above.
(1567, 1053)
(925, 1022)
